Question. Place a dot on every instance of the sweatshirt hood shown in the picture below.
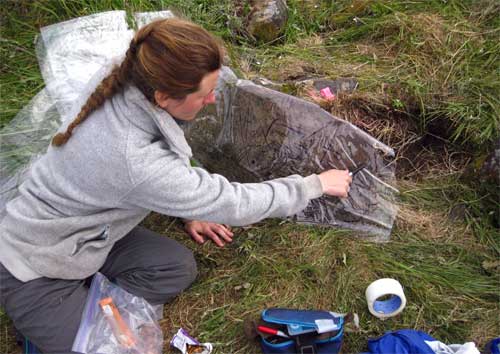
(145, 115)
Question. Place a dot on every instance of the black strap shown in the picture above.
(305, 343)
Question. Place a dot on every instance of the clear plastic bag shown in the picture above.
(74, 56)
(70, 53)
(134, 331)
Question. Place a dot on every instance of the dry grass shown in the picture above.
(281, 264)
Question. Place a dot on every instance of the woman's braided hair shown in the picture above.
(171, 56)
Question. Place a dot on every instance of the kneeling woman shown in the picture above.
(123, 156)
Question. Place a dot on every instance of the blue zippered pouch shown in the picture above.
(302, 331)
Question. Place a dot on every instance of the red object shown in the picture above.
(269, 330)
(119, 328)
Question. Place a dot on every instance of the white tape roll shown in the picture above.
(394, 299)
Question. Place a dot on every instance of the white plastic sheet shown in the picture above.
(74, 56)
(71, 52)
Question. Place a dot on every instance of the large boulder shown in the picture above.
(267, 19)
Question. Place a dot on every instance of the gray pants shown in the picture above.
(48, 311)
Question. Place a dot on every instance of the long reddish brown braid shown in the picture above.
(170, 55)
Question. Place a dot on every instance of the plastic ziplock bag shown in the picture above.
(133, 330)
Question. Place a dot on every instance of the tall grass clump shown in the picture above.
(445, 58)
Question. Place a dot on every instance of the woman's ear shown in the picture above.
(161, 99)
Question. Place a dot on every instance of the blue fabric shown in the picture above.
(29, 348)
(405, 341)
(494, 346)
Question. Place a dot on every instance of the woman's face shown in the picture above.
(188, 107)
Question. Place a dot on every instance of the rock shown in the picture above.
(489, 179)
(458, 212)
(490, 170)
(267, 19)
(343, 84)
(491, 266)
(262, 81)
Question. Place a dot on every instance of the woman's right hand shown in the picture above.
(336, 182)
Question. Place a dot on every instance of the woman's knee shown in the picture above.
(178, 273)
(163, 281)
(177, 264)
(178, 276)
(190, 270)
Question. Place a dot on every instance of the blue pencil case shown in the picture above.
(287, 331)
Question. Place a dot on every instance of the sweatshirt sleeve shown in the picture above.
(192, 193)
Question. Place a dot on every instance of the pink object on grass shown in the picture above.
(327, 94)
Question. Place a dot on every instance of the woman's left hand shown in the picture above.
(201, 230)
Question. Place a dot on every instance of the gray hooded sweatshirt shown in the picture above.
(126, 159)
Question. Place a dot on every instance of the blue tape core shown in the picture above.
(388, 306)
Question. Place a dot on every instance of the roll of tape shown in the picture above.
(385, 298)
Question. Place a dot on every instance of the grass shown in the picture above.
(439, 263)
(425, 69)
(438, 61)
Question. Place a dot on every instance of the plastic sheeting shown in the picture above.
(22, 141)
(69, 53)
(261, 134)
(74, 56)
(255, 133)
(143, 18)
(132, 329)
